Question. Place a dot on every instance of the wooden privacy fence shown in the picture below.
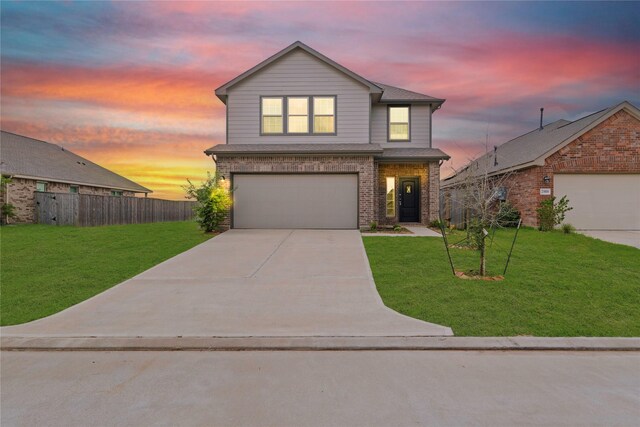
(89, 209)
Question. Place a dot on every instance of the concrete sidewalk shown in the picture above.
(243, 283)
(418, 231)
(629, 238)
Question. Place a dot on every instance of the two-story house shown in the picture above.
(311, 144)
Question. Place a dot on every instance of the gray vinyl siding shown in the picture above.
(298, 73)
(420, 118)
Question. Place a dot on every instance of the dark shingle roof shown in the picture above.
(413, 153)
(294, 149)
(334, 149)
(392, 93)
(524, 150)
(27, 157)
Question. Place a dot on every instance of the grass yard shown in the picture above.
(556, 285)
(45, 269)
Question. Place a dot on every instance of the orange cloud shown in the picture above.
(160, 161)
(184, 93)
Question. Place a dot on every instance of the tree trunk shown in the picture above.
(483, 261)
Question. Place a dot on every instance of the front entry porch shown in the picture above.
(407, 193)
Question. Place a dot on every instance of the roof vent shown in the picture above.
(541, 114)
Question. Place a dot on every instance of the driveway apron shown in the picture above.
(244, 283)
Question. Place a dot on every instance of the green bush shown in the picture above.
(397, 227)
(551, 213)
(435, 224)
(508, 215)
(373, 226)
(568, 228)
(7, 211)
(214, 201)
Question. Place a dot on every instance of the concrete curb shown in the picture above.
(317, 343)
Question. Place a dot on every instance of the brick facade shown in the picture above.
(20, 193)
(362, 165)
(371, 183)
(611, 147)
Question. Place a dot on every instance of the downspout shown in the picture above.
(430, 125)
(370, 116)
(6, 197)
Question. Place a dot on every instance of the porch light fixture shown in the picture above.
(546, 179)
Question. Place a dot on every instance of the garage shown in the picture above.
(601, 201)
(318, 201)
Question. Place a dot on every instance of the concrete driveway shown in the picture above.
(629, 238)
(244, 283)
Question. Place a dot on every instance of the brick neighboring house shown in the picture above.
(594, 161)
(311, 144)
(35, 165)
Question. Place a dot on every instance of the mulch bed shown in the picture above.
(467, 276)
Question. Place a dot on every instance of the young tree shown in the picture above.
(480, 195)
(213, 199)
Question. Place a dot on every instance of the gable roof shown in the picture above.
(221, 92)
(25, 157)
(388, 93)
(533, 147)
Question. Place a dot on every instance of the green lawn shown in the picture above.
(45, 269)
(556, 285)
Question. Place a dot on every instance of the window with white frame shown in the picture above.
(399, 125)
(391, 197)
(116, 193)
(41, 186)
(272, 116)
(73, 189)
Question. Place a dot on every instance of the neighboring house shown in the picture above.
(35, 165)
(594, 161)
(311, 144)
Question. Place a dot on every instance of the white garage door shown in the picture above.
(601, 202)
(295, 201)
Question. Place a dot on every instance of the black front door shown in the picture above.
(409, 200)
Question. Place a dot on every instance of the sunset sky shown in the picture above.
(129, 85)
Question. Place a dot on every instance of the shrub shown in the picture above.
(508, 215)
(8, 210)
(373, 226)
(214, 201)
(551, 213)
(568, 228)
(397, 228)
(435, 223)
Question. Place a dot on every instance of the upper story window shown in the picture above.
(324, 114)
(73, 189)
(399, 125)
(298, 115)
(41, 186)
(116, 193)
(272, 116)
(314, 115)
